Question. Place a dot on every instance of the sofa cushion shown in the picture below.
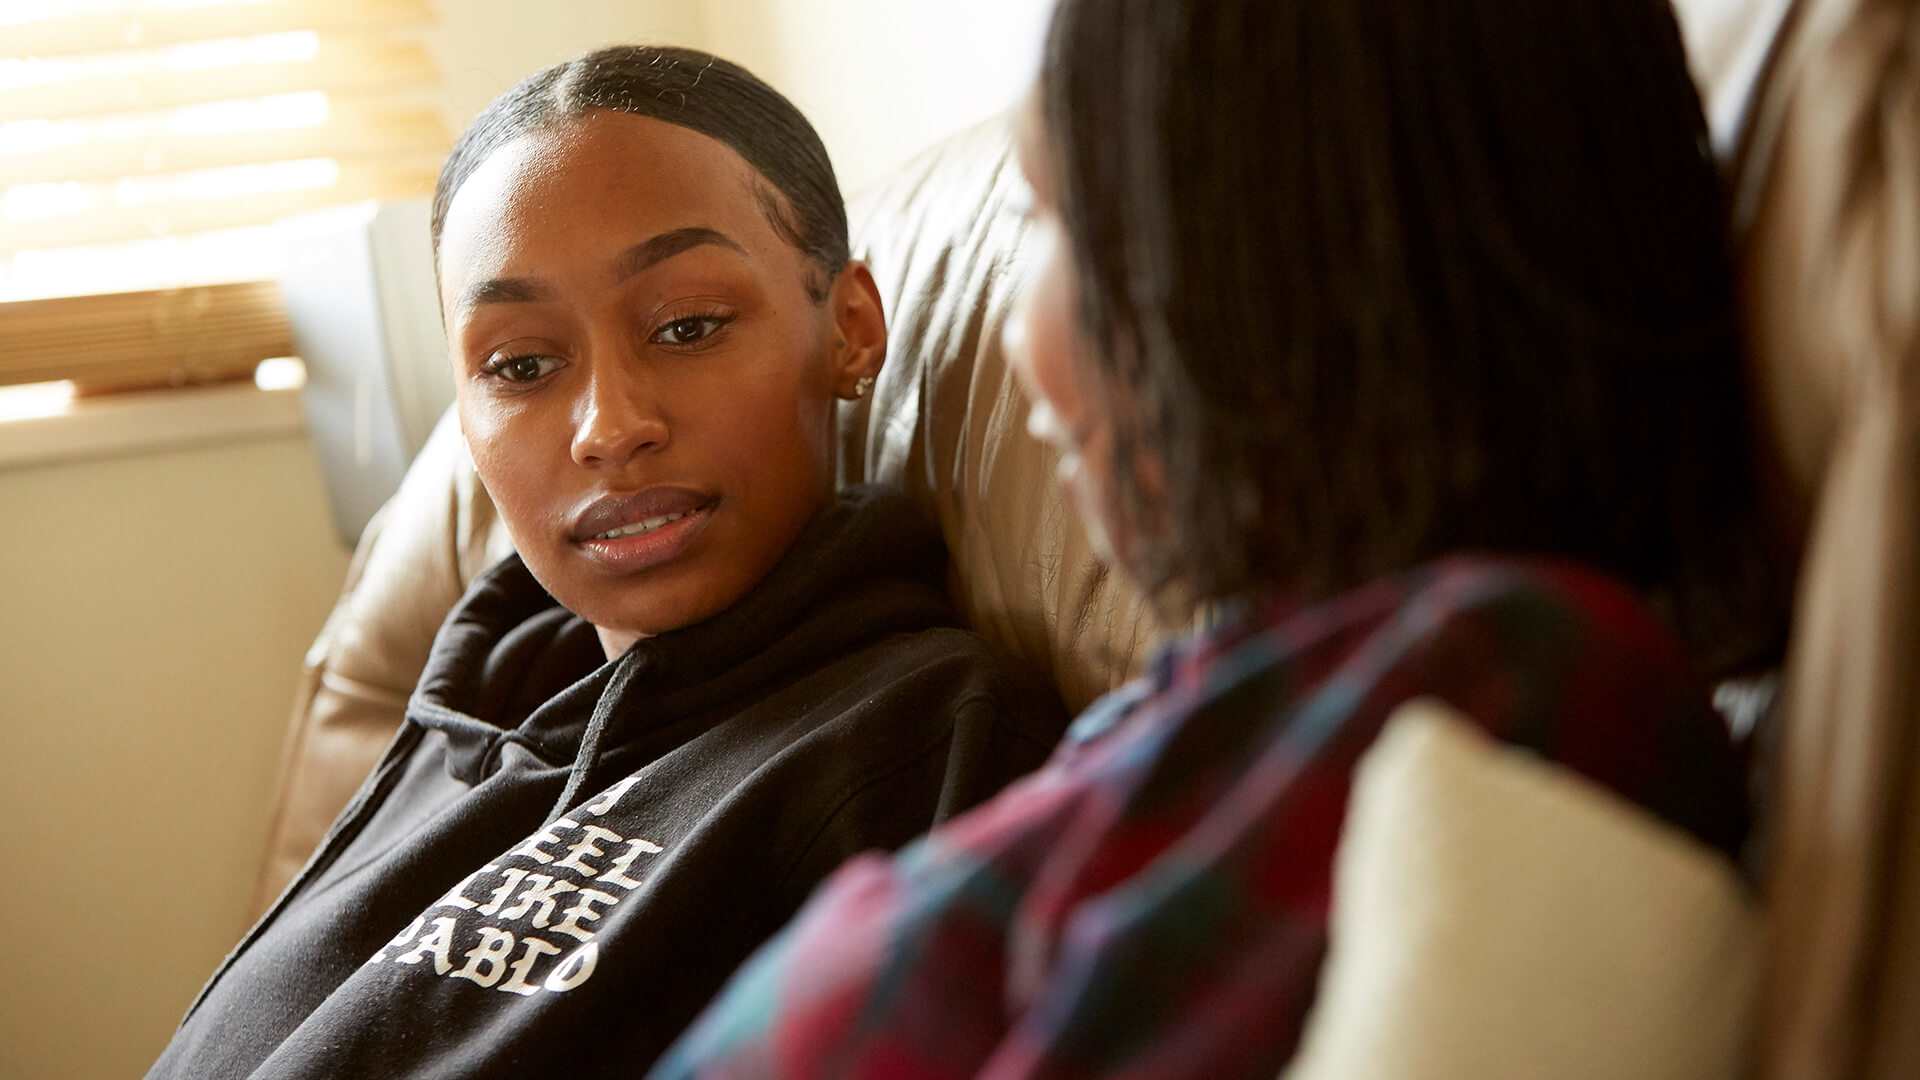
(1496, 915)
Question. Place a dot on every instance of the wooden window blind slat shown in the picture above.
(153, 144)
(355, 181)
(90, 33)
(161, 338)
(332, 64)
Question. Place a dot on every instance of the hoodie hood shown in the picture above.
(511, 662)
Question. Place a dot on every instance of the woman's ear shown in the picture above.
(859, 331)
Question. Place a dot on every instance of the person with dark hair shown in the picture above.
(703, 680)
(1402, 333)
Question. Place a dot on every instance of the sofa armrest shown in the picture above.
(412, 565)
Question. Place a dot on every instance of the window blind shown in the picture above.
(149, 147)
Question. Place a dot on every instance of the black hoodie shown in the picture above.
(560, 859)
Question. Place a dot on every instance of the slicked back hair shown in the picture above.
(1378, 280)
(693, 90)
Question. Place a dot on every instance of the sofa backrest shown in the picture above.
(948, 424)
(1829, 189)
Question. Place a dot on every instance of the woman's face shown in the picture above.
(644, 380)
(1048, 351)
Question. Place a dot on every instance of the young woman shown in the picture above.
(1403, 332)
(703, 681)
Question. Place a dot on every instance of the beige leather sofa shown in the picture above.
(1828, 186)
(1822, 124)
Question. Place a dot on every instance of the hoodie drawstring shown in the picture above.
(589, 753)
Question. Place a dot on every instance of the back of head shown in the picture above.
(1382, 279)
(688, 88)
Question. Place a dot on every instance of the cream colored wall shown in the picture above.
(485, 46)
(882, 79)
(152, 619)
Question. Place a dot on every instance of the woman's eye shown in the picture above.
(688, 331)
(522, 369)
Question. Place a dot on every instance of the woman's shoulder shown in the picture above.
(1549, 587)
(1458, 616)
(1577, 667)
(951, 673)
(1556, 658)
(1537, 615)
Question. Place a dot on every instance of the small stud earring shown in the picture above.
(860, 388)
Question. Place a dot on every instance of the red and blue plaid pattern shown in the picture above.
(1154, 901)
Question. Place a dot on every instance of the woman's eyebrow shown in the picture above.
(639, 257)
(665, 246)
(503, 291)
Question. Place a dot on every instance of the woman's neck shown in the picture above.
(616, 642)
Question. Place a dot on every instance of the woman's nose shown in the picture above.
(622, 420)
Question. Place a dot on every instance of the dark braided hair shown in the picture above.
(693, 90)
(1378, 280)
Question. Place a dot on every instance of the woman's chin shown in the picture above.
(653, 608)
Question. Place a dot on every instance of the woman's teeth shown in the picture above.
(639, 527)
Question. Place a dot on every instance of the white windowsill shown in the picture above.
(143, 423)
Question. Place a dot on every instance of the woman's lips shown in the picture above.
(611, 512)
(648, 541)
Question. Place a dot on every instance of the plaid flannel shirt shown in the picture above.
(1154, 901)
